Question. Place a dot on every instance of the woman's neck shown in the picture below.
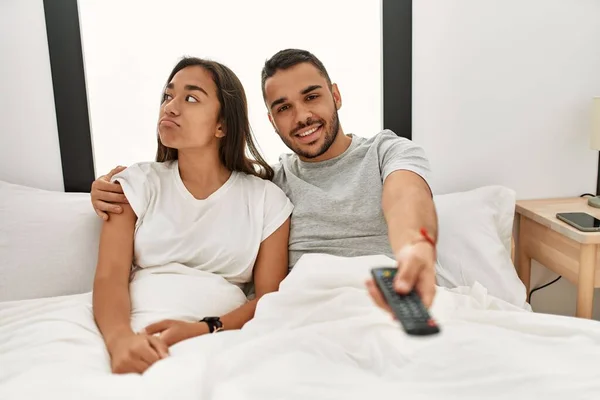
(202, 172)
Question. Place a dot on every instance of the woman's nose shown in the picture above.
(171, 107)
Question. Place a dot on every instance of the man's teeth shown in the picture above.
(308, 132)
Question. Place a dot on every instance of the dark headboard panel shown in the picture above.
(68, 77)
(397, 66)
(70, 98)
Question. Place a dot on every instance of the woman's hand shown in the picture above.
(171, 331)
(135, 353)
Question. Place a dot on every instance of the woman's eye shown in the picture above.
(166, 97)
(191, 99)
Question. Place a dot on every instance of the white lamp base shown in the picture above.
(594, 202)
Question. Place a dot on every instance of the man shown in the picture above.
(352, 196)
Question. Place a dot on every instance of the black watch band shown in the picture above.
(214, 324)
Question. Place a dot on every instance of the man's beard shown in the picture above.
(331, 131)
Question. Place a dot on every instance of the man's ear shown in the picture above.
(337, 97)
(271, 121)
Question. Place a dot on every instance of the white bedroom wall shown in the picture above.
(502, 94)
(28, 136)
(126, 65)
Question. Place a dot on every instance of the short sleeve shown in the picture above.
(136, 187)
(398, 153)
(277, 208)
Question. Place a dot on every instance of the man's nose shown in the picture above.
(303, 114)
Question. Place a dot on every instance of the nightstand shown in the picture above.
(540, 236)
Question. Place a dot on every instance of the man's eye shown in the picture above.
(283, 108)
(311, 97)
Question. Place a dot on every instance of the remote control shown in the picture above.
(409, 309)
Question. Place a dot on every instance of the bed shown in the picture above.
(319, 337)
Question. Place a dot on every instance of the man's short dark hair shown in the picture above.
(287, 58)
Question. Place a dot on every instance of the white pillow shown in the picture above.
(48, 242)
(474, 242)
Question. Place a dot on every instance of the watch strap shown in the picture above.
(214, 324)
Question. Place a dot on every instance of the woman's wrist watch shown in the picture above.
(214, 324)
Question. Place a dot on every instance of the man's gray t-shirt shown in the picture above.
(337, 202)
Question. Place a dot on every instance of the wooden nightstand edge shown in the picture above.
(559, 226)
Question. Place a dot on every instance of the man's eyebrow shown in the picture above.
(278, 101)
(304, 91)
(311, 88)
(189, 87)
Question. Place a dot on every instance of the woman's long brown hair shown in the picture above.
(233, 115)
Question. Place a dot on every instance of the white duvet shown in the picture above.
(319, 337)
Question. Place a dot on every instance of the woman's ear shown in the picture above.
(220, 131)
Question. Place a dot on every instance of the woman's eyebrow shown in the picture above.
(189, 87)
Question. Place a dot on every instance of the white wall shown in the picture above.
(126, 65)
(502, 95)
(28, 133)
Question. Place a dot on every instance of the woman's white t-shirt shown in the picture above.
(220, 234)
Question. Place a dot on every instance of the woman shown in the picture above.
(203, 213)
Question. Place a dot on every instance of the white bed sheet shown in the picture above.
(52, 346)
(319, 337)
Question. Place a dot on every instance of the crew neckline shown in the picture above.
(214, 196)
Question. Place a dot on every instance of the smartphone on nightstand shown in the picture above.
(580, 220)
